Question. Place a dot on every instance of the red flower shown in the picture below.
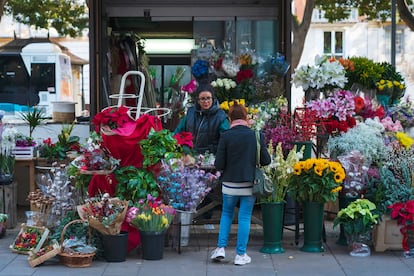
(359, 104)
(244, 75)
(113, 117)
(184, 138)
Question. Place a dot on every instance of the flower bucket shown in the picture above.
(115, 247)
(152, 245)
(63, 112)
(184, 219)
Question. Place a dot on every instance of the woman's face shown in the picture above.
(205, 99)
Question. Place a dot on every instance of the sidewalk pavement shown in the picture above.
(194, 259)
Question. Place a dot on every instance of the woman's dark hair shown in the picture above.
(205, 87)
(237, 111)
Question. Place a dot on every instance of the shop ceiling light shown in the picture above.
(168, 46)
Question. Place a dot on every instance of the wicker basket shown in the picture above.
(74, 259)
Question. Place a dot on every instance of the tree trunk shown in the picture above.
(2, 3)
(405, 14)
(300, 30)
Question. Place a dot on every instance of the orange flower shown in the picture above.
(359, 104)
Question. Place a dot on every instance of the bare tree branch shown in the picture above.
(405, 14)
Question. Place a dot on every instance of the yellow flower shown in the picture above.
(339, 177)
(337, 189)
(318, 170)
(224, 105)
(404, 139)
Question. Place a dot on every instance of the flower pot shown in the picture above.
(115, 247)
(272, 217)
(152, 245)
(63, 112)
(358, 244)
(313, 226)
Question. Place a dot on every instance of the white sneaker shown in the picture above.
(218, 254)
(242, 259)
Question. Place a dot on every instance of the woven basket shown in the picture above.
(74, 259)
(35, 261)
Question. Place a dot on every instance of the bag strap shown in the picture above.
(257, 148)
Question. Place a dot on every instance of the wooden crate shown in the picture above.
(23, 152)
(8, 203)
(387, 235)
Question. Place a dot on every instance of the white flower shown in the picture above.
(324, 74)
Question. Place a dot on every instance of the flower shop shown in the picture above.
(134, 183)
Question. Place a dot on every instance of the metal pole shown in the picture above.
(393, 31)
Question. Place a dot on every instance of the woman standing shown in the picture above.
(205, 120)
(236, 157)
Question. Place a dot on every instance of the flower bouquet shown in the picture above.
(95, 159)
(114, 120)
(316, 180)
(29, 237)
(184, 188)
(335, 112)
(151, 215)
(224, 88)
(105, 215)
(7, 158)
(324, 76)
(280, 170)
(356, 166)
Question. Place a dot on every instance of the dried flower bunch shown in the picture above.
(105, 214)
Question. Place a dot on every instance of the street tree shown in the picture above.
(336, 10)
(68, 17)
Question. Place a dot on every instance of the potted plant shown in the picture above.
(152, 218)
(314, 182)
(34, 117)
(403, 212)
(385, 190)
(106, 215)
(358, 220)
(280, 170)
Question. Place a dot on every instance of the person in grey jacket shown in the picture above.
(236, 158)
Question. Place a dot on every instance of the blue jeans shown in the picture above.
(244, 218)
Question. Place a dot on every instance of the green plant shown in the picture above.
(384, 189)
(135, 183)
(358, 217)
(65, 143)
(316, 180)
(159, 145)
(366, 72)
(34, 117)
